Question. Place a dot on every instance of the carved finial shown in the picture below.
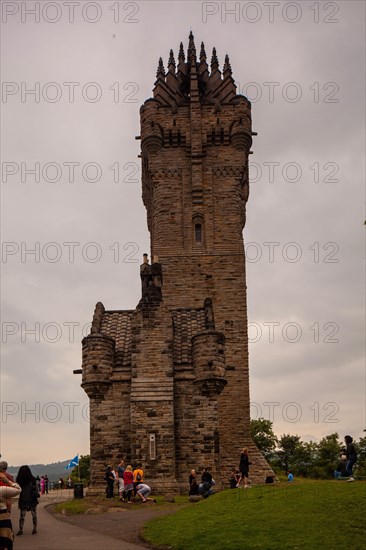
(97, 318)
(171, 62)
(202, 52)
(161, 70)
(181, 56)
(227, 66)
(214, 60)
(191, 54)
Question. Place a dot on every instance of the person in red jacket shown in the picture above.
(128, 481)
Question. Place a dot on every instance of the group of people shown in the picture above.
(129, 481)
(240, 476)
(204, 488)
(43, 484)
(61, 483)
(25, 486)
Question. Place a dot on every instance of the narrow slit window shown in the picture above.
(152, 446)
(198, 232)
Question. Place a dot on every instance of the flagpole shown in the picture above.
(78, 468)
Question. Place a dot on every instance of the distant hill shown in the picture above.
(54, 470)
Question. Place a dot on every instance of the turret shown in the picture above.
(98, 354)
(208, 356)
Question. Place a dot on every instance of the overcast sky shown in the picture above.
(90, 66)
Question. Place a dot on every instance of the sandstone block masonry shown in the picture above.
(169, 382)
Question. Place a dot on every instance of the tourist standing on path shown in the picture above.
(121, 484)
(28, 499)
(244, 468)
(46, 484)
(110, 479)
(128, 481)
(351, 456)
(8, 489)
(42, 485)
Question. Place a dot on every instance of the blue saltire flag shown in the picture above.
(73, 462)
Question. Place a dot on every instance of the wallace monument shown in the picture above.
(168, 382)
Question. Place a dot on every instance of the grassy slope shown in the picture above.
(311, 515)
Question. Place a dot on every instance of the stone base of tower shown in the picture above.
(164, 487)
(97, 490)
(158, 487)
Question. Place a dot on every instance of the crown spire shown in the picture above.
(161, 70)
(202, 52)
(171, 62)
(227, 67)
(181, 56)
(192, 78)
(214, 61)
(191, 54)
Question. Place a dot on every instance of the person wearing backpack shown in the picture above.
(138, 477)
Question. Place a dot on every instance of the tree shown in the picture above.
(263, 436)
(290, 447)
(328, 451)
(305, 458)
(361, 456)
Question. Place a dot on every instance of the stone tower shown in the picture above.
(168, 382)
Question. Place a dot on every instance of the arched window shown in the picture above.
(198, 232)
(198, 228)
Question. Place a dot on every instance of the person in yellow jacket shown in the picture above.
(138, 477)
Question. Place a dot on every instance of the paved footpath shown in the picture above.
(58, 535)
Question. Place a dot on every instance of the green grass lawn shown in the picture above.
(314, 515)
